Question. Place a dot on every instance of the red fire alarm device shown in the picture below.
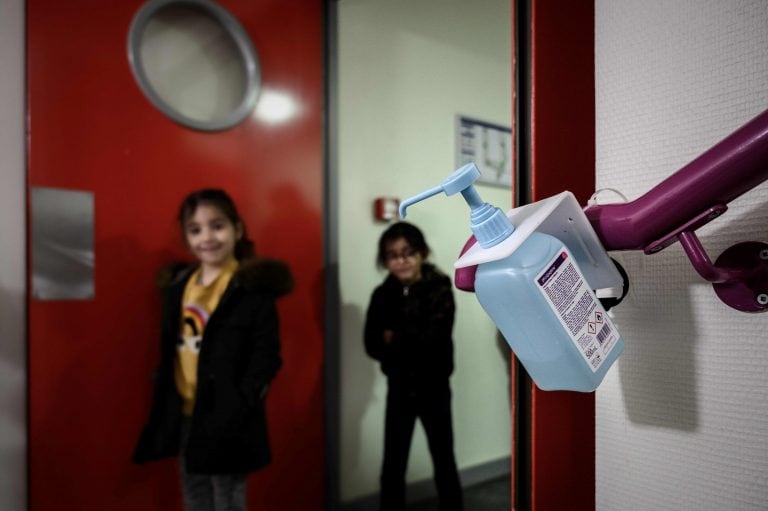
(385, 209)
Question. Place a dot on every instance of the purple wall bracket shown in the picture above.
(740, 274)
(691, 197)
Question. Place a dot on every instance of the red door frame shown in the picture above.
(562, 156)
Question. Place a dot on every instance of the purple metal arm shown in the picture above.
(692, 197)
(732, 167)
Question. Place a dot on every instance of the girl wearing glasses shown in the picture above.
(408, 330)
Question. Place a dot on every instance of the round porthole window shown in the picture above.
(194, 62)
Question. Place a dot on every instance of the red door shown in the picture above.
(91, 129)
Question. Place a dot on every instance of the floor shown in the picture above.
(491, 495)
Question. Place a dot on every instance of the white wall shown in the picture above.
(13, 490)
(406, 68)
(682, 423)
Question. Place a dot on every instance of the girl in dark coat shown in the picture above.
(219, 351)
(408, 330)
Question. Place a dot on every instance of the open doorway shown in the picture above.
(406, 74)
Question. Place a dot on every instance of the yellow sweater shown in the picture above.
(198, 304)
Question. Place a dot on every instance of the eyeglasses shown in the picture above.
(408, 253)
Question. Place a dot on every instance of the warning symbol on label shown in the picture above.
(598, 317)
(591, 328)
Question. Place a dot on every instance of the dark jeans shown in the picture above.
(202, 492)
(433, 407)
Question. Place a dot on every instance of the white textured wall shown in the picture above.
(406, 68)
(682, 422)
(13, 491)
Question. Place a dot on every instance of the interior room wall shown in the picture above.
(406, 69)
(681, 424)
(12, 259)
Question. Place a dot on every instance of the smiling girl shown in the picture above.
(219, 352)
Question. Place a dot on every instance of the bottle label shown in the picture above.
(579, 311)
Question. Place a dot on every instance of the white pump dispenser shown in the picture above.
(537, 296)
(489, 224)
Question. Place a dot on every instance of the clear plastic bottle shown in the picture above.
(538, 298)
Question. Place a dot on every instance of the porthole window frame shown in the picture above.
(241, 39)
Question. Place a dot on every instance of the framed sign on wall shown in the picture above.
(489, 146)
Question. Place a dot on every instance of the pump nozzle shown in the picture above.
(489, 224)
(418, 198)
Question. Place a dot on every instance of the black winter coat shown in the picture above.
(421, 317)
(239, 356)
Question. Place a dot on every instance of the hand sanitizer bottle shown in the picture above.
(538, 298)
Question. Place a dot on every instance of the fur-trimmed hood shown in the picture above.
(254, 273)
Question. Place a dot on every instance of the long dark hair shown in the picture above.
(219, 199)
(409, 232)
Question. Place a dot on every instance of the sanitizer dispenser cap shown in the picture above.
(489, 224)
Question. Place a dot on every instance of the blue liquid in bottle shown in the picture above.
(538, 298)
(550, 318)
